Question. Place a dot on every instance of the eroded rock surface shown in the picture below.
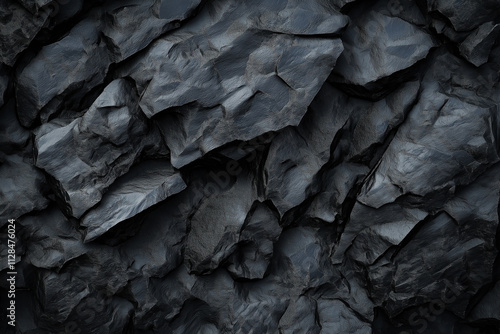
(250, 166)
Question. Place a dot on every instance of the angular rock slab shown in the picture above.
(300, 316)
(245, 75)
(145, 185)
(336, 317)
(489, 306)
(75, 64)
(377, 46)
(337, 184)
(87, 155)
(450, 132)
(301, 259)
(477, 46)
(60, 294)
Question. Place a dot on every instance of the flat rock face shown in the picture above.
(377, 45)
(250, 166)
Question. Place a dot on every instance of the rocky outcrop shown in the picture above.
(250, 166)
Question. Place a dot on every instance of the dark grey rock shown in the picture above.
(488, 307)
(19, 196)
(4, 83)
(101, 145)
(217, 170)
(18, 27)
(177, 10)
(336, 317)
(377, 46)
(302, 260)
(222, 215)
(145, 185)
(337, 183)
(373, 122)
(132, 25)
(477, 46)
(297, 154)
(44, 81)
(158, 247)
(255, 246)
(98, 313)
(53, 244)
(465, 17)
(369, 232)
(342, 3)
(13, 137)
(60, 294)
(442, 136)
(300, 317)
(457, 264)
(260, 308)
(271, 95)
(36, 5)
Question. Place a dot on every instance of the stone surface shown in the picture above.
(465, 17)
(4, 83)
(53, 244)
(256, 242)
(117, 133)
(43, 82)
(270, 94)
(144, 185)
(139, 17)
(18, 27)
(222, 215)
(250, 166)
(19, 196)
(297, 154)
(477, 46)
(425, 147)
(377, 45)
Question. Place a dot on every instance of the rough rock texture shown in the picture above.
(145, 185)
(117, 130)
(269, 59)
(250, 166)
(18, 27)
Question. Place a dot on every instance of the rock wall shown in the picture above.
(250, 166)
